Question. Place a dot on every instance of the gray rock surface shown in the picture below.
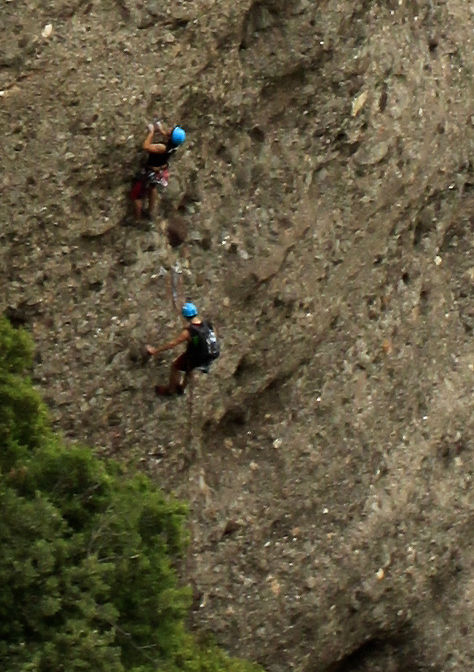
(325, 194)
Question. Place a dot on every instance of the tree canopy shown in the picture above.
(88, 551)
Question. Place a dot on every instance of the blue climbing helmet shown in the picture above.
(189, 310)
(178, 135)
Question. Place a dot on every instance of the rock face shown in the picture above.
(325, 195)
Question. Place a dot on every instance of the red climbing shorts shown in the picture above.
(138, 190)
(182, 363)
(148, 179)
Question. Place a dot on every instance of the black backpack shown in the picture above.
(204, 347)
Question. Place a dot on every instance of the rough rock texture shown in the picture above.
(325, 194)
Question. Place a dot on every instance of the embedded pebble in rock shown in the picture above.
(47, 30)
(370, 155)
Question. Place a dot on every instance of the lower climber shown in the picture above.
(202, 348)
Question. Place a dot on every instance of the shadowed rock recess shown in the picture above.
(326, 195)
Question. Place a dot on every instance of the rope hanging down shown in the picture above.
(175, 278)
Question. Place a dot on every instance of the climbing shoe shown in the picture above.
(164, 390)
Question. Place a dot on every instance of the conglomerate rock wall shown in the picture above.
(326, 186)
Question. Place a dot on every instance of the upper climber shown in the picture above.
(155, 171)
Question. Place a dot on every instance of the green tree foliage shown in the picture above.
(23, 423)
(87, 552)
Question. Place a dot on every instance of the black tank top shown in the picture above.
(158, 160)
(194, 347)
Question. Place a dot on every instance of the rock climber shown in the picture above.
(202, 349)
(155, 171)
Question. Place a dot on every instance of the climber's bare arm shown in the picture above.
(182, 338)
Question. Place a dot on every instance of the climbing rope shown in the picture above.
(174, 277)
(174, 285)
